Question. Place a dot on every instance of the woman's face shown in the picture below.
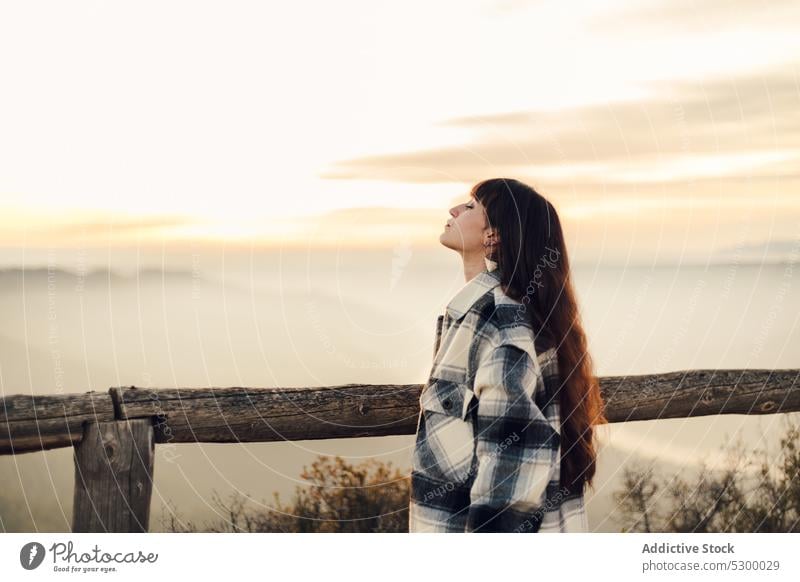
(466, 230)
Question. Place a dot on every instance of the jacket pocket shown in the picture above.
(445, 444)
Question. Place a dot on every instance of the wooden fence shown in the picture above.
(114, 433)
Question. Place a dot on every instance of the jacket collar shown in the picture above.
(473, 290)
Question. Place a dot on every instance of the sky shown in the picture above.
(661, 130)
(658, 128)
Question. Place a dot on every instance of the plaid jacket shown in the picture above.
(487, 451)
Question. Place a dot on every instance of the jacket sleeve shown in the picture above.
(516, 446)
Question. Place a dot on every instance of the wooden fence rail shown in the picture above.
(114, 433)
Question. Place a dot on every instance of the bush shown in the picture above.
(340, 497)
(723, 501)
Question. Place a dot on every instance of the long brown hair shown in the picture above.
(534, 268)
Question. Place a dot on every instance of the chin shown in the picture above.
(445, 241)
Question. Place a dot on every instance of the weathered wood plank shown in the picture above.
(274, 414)
(690, 393)
(114, 477)
(21, 407)
(240, 414)
(354, 410)
(33, 423)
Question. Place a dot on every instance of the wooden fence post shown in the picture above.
(114, 477)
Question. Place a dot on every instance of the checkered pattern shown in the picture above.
(487, 452)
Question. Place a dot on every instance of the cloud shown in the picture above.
(115, 225)
(696, 15)
(54, 228)
(773, 250)
(743, 127)
(370, 226)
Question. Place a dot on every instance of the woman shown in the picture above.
(505, 443)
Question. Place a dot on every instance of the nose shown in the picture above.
(454, 211)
